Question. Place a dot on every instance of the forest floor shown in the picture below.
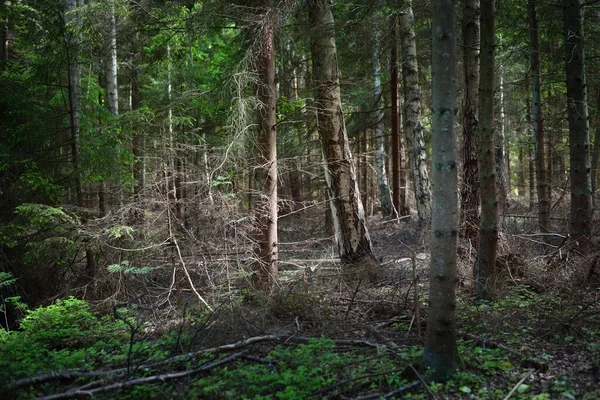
(321, 337)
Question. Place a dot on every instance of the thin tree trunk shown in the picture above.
(6, 40)
(441, 354)
(266, 251)
(538, 127)
(485, 265)
(596, 150)
(139, 137)
(522, 148)
(470, 185)
(412, 114)
(364, 163)
(398, 186)
(112, 93)
(531, 156)
(354, 244)
(500, 157)
(579, 132)
(385, 199)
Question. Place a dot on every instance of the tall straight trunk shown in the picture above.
(354, 244)
(500, 156)
(112, 92)
(521, 155)
(266, 247)
(485, 265)
(139, 137)
(6, 39)
(364, 172)
(398, 188)
(530, 155)
(470, 185)
(538, 127)
(72, 18)
(441, 354)
(74, 72)
(579, 130)
(385, 199)
(412, 113)
(596, 151)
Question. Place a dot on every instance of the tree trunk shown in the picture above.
(579, 132)
(385, 199)
(74, 72)
(398, 189)
(531, 156)
(112, 91)
(139, 137)
(441, 354)
(522, 148)
(500, 157)
(412, 114)
(364, 163)
(538, 127)
(354, 244)
(266, 251)
(6, 39)
(596, 151)
(485, 264)
(470, 185)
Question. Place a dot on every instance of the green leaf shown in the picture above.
(522, 388)
(465, 389)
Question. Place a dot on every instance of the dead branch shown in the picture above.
(78, 392)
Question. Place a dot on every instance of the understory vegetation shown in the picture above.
(317, 337)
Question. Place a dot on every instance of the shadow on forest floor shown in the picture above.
(322, 337)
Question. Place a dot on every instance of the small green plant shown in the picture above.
(7, 280)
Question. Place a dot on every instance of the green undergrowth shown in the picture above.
(503, 337)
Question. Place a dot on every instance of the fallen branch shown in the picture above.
(516, 387)
(78, 392)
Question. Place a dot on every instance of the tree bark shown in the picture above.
(398, 188)
(579, 132)
(112, 91)
(354, 244)
(6, 40)
(441, 353)
(385, 199)
(501, 165)
(596, 151)
(485, 265)
(470, 185)
(412, 114)
(266, 250)
(538, 127)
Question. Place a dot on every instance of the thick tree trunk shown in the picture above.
(470, 185)
(354, 244)
(485, 265)
(266, 251)
(538, 127)
(398, 180)
(412, 114)
(579, 132)
(441, 354)
(385, 199)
